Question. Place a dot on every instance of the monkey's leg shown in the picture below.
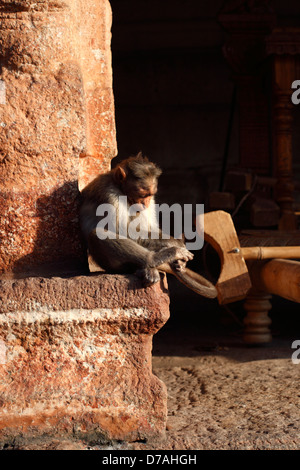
(117, 254)
(114, 254)
(159, 243)
(123, 255)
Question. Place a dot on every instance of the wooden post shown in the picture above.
(283, 120)
(244, 50)
(277, 276)
(284, 47)
(257, 321)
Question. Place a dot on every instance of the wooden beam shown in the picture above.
(278, 277)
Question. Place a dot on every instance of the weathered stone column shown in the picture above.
(58, 107)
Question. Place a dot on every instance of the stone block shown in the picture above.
(75, 358)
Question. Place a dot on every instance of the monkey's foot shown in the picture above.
(149, 276)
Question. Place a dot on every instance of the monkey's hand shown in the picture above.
(182, 254)
(170, 255)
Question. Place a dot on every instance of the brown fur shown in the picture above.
(135, 178)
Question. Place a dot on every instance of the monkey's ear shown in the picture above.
(141, 157)
(119, 174)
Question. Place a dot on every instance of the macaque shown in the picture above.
(145, 254)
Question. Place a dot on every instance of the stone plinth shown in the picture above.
(75, 358)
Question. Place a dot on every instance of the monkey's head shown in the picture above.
(137, 178)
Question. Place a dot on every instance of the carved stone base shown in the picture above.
(75, 358)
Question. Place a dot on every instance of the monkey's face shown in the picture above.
(141, 191)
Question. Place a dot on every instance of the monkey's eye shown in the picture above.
(145, 194)
(148, 192)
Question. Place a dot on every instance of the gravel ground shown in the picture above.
(226, 395)
(232, 399)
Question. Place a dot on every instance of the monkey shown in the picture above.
(132, 184)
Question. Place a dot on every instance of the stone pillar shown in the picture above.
(94, 25)
(58, 107)
(75, 352)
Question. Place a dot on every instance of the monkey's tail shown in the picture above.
(192, 280)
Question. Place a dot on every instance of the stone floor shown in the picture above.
(223, 395)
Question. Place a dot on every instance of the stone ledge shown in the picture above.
(75, 357)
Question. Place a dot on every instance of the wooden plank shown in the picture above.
(280, 277)
(234, 280)
(268, 252)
